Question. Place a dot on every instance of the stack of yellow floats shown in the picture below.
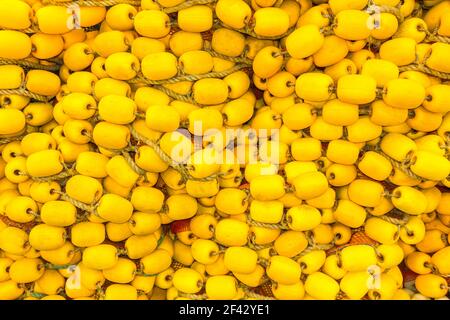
(105, 192)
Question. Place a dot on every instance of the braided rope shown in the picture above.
(193, 296)
(190, 77)
(79, 204)
(251, 294)
(418, 11)
(249, 31)
(185, 5)
(239, 59)
(133, 164)
(252, 245)
(13, 138)
(59, 176)
(253, 34)
(176, 265)
(312, 245)
(425, 69)
(91, 3)
(278, 3)
(25, 92)
(30, 64)
(374, 43)
(392, 10)
(402, 167)
(398, 165)
(177, 96)
(29, 30)
(374, 8)
(57, 267)
(397, 221)
(263, 262)
(307, 250)
(433, 37)
(327, 31)
(274, 226)
(164, 157)
(36, 295)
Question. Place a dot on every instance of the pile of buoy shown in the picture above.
(224, 149)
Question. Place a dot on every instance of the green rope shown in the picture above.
(51, 266)
(37, 295)
(161, 237)
(158, 243)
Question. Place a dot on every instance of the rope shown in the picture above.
(253, 34)
(164, 157)
(425, 69)
(30, 64)
(263, 262)
(193, 296)
(327, 31)
(394, 11)
(248, 31)
(80, 205)
(252, 245)
(418, 11)
(239, 59)
(274, 226)
(312, 245)
(257, 247)
(190, 77)
(433, 37)
(36, 294)
(133, 164)
(398, 165)
(278, 3)
(91, 3)
(251, 294)
(162, 237)
(57, 267)
(59, 176)
(177, 96)
(374, 8)
(394, 220)
(176, 265)
(185, 5)
(12, 139)
(24, 92)
(148, 275)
